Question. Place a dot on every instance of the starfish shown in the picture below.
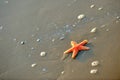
(77, 47)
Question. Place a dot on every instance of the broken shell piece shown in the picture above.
(94, 63)
(107, 29)
(102, 26)
(93, 71)
(33, 65)
(42, 54)
(38, 40)
(44, 69)
(92, 6)
(118, 17)
(22, 42)
(100, 8)
(53, 40)
(1, 27)
(81, 16)
(93, 30)
(62, 72)
(61, 38)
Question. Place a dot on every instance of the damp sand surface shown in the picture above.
(49, 26)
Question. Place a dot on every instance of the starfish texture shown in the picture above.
(77, 47)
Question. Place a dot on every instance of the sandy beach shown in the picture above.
(29, 27)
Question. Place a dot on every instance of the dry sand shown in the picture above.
(55, 24)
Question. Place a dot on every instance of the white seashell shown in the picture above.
(81, 16)
(38, 40)
(92, 6)
(33, 65)
(95, 63)
(93, 71)
(93, 30)
(22, 42)
(42, 54)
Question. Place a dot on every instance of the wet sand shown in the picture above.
(53, 20)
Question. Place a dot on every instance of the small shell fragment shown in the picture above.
(1, 27)
(61, 38)
(107, 29)
(93, 30)
(33, 65)
(100, 8)
(44, 69)
(92, 6)
(22, 42)
(93, 71)
(118, 17)
(38, 40)
(62, 72)
(53, 40)
(95, 63)
(81, 16)
(42, 54)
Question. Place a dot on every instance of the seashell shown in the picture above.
(92, 6)
(93, 71)
(42, 54)
(95, 63)
(22, 42)
(93, 30)
(33, 65)
(81, 16)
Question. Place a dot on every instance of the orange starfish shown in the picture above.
(77, 47)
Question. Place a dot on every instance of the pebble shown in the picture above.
(92, 6)
(62, 72)
(33, 65)
(42, 54)
(93, 30)
(81, 16)
(38, 40)
(100, 8)
(95, 63)
(93, 71)
(62, 38)
(22, 42)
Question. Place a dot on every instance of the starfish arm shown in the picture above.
(73, 43)
(83, 42)
(75, 52)
(69, 50)
(83, 48)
